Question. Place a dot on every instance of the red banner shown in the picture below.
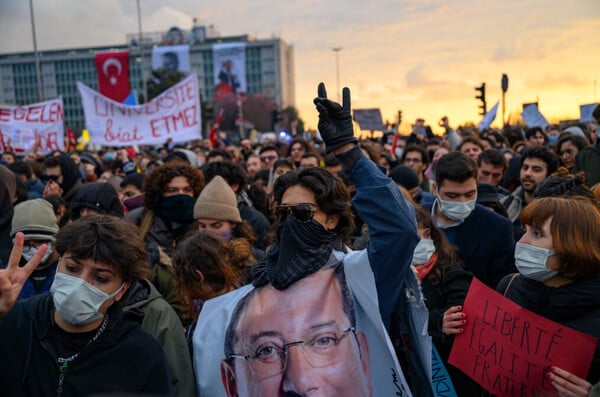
(509, 350)
(113, 74)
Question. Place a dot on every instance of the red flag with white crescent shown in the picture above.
(212, 135)
(113, 74)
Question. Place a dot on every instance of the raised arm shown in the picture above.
(378, 201)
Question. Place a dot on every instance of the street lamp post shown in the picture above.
(337, 70)
(141, 42)
(38, 72)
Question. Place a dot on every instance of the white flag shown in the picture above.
(488, 118)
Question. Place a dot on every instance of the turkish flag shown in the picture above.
(113, 74)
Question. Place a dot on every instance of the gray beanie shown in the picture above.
(217, 201)
(36, 219)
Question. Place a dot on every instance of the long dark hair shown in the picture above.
(447, 255)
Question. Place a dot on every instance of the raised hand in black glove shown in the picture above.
(335, 121)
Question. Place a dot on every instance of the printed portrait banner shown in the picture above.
(509, 350)
(173, 58)
(314, 310)
(585, 112)
(533, 117)
(229, 65)
(113, 74)
(173, 114)
(22, 126)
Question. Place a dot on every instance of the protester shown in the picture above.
(96, 198)
(132, 191)
(75, 341)
(537, 163)
(567, 147)
(61, 176)
(588, 160)
(558, 259)
(170, 192)
(8, 196)
(315, 220)
(471, 146)
(535, 136)
(415, 157)
(35, 188)
(445, 285)
(491, 166)
(298, 148)
(216, 211)
(36, 220)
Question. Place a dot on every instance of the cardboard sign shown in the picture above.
(369, 119)
(586, 111)
(509, 350)
(488, 118)
(174, 114)
(533, 117)
(22, 126)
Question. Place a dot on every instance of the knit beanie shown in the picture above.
(36, 219)
(217, 201)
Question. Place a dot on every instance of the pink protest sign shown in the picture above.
(508, 350)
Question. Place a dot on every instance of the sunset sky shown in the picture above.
(424, 57)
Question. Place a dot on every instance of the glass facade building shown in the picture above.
(269, 70)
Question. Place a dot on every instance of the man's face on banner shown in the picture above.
(322, 356)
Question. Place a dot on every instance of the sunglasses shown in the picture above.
(47, 178)
(302, 212)
(267, 158)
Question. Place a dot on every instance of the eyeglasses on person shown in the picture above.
(303, 212)
(321, 348)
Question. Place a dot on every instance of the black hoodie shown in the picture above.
(575, 305)
(124, 359)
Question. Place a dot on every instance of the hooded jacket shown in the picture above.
(144, 302)
(575, 305)
(123, 359)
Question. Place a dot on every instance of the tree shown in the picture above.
(161, 80)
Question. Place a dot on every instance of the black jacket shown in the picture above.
(123, 359)
(486, 245)
(575, 305)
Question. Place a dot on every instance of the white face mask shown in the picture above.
(76, 301)
(531, 262)
(456, 210)
(30, 252)
(423, 251)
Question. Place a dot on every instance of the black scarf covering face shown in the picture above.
(301, 249)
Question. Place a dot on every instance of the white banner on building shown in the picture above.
(173, 58)
(229, 65)
(22, 126)
(174, 114)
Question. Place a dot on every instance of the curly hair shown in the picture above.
(206, 266)
(156, 183)
(331, 194)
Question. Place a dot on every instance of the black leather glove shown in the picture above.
(335, 121)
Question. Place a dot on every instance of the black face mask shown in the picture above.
(302, 248)
(178, 208)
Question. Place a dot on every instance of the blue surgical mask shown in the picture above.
(226, 235)
(29, 252)
(456, 210)
(531, 262)
(552, 139)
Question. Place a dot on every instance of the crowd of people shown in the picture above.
(163, 270)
